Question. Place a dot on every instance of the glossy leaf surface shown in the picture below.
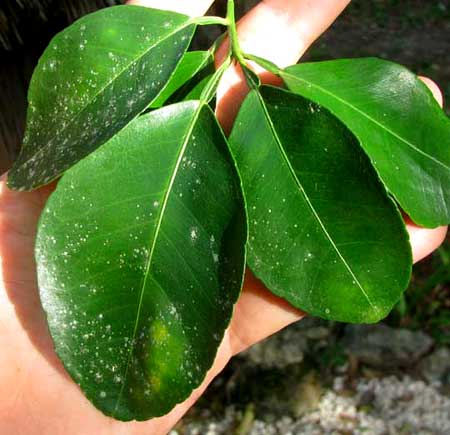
(323, 233)
(194, 90)
(398, 123)
(140, 255)
(92, 80)
(191, 63)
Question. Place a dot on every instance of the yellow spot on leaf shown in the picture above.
(159, 332)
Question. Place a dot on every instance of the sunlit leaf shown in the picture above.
(398, 123)
(323, 233)
(193, 91)
(140, 255)
(191, 63)
(92, 80)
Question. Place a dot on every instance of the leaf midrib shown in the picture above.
(155, 238)
(367, 116)
(302, 190)
(107, 85)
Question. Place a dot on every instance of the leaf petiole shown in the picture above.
(266, 64)
(210, 20)
(235, 48)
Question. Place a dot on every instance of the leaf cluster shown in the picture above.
(142, 247)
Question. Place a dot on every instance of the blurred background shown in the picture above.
(314, 377)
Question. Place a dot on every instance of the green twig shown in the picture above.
(206, 21)
(235, 48)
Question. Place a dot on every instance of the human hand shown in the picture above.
(38, 396)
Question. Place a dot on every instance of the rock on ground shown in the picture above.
(396, 406)
(436, 366)
(381, 346)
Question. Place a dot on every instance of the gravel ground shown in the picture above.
(374, 380)
(397, 406)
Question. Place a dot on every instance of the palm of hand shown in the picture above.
(41, 397)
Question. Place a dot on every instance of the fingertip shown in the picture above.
(434, 88)
(425, 240)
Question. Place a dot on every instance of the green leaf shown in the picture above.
(140, 255)
(92, 80)
(195, 90)
(398, 123)
(323, 233)
(191, 63)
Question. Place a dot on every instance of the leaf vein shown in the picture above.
(102, 90)
(310, 205)
(155, 238)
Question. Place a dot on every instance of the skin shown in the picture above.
(38, 396)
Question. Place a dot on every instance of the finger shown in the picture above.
(434, 88)
(19, 216)
(193, 8)
(258, 314)
(277, 30)
(21, 210)
(424, 240)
